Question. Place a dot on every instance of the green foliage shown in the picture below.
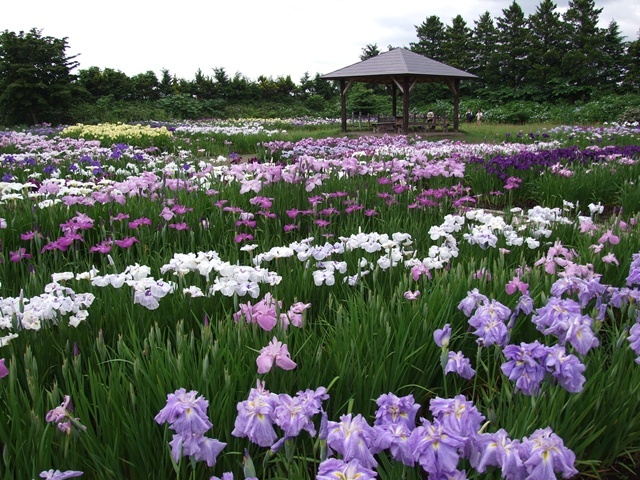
(35, 78)
(187, 107)
(109, 110)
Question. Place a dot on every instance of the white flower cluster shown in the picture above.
(57, 301)
(146, 290)
(230, 280)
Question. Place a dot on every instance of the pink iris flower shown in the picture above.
(609, 237)
(276, 352)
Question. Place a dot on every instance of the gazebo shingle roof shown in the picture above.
(398, 61)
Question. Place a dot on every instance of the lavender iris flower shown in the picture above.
(197, 446)
(544, 453)
(225, 476)
(255, 417)
(58, 475)
(457, 415)
(634, 339)
(335, 469)
(435, 448)
(634, 271)
(489, 322)
(186, 414)
(442, 336)
(293, 415)
(393, 409)
(565, 369)
(458, 363)
(394, 437)
(496, 450)
(353, 438)
(471, 301)
(563, 318)
(525, 366)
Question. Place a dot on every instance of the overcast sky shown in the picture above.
(254, 37)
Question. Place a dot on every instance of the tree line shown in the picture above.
(543, 57)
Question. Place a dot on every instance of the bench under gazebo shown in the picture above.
(402, 69)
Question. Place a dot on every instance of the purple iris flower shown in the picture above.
(442, 336)
(458, 415)
(458, 363)
(352, 437)
(563, 318)
(225, 476)
(496, 450)
(255, 417)
(525, 366)
(634, 339)
(335, 469)
(489, 322)
(565, 369)
(544, 453)
(197, 446)
(435, 448)
(185, 413)
(395, 438)
(294, 414)
(634, 271)
(393, 409)
(471, 301)
(58, 475)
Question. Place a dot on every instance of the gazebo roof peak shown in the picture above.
(398, 61)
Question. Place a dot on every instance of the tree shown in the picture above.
(484, 41)
(145, 86)
(512, 49)
(107, 82)
(546, 49)
(612, 69)
(36, 83)
(631, 80)
(167, 83)
(371, 50)
(584, 58)
(431, 35)
(456, 47)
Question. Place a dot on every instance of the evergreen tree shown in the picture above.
(612, 68)
(145, 86)
(456, 47)
(431, 35)
(512, 50)
(484, 37)
(583, 62)
(167, 83)
(546, 43)
(631, 63)
(107, 82)
(36, 83)
(370, 51)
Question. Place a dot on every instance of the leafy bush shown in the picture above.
(187, 107)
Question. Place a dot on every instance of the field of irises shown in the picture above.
(333, 308)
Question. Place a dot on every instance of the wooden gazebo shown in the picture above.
(402, 69)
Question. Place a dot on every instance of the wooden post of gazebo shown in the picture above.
(343, 104)
(454, 86)
(394, 100)
(406, 86)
